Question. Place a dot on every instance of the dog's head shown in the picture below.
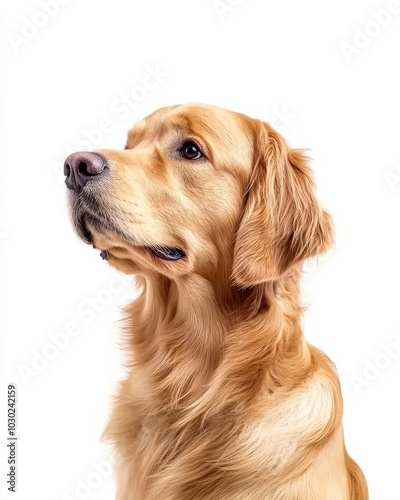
(199, 189)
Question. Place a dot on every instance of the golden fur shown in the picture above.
(224, 399)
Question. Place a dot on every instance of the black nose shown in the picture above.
(80, 168)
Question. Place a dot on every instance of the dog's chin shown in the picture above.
(83, 231)
(105, 236)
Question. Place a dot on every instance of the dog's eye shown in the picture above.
(190, 151)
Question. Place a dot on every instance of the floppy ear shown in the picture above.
(282, 224)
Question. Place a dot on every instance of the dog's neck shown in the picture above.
(190, 337)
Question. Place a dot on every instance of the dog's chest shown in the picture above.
(221, 452)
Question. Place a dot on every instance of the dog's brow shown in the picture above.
(190, 127)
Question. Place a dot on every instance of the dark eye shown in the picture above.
(190, 151)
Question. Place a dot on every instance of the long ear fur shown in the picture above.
(282, 224)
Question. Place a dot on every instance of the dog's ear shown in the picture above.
(282, 223)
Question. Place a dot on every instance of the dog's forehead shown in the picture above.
(198, 119)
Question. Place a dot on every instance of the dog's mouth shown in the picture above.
(168, 253)
(164, 253)
(86, 222)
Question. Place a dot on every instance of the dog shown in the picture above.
(224, 399)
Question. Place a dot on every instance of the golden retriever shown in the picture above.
(224, 399)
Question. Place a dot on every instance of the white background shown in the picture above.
(286, 62)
